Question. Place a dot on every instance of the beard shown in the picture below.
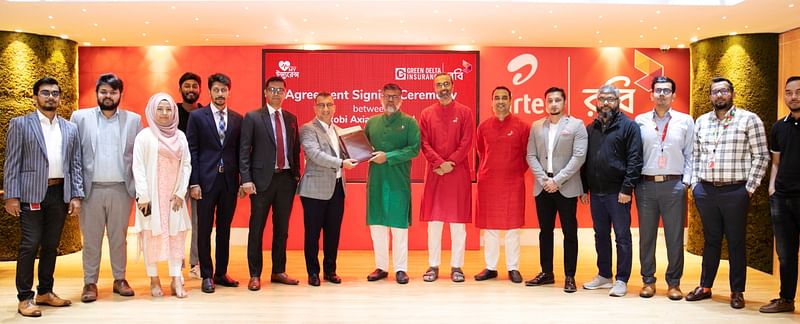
(794, 109)
(444, 94)
(49, 107)
(186, 99)
(605, 115)
(103, 106)
(722, 105)
(391, 108)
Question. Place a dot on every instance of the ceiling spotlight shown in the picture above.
(681, 45)
(724, 17)
(103, 39)
(87, 44)
(64, 36)
(519, 37)
(693, 39)
(83, 10)
(658, 12)
(732, 34)
(49, 17)
(513, 31)
(18, 30)
(555, 26)
(196, 18)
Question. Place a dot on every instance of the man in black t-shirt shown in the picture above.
(784, 196)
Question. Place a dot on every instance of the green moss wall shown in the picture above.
(751, 63)
(25, 58)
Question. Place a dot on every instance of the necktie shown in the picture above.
(281, 156)
(221, 126)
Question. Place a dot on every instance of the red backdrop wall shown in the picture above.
(526, 71)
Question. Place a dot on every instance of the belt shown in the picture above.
(724, 183)
(55, 181)
(550, 174)
(282, 170)
(662, 178)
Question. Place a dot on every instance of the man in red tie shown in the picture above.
(270, 169)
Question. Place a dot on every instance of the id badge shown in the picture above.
(36, 206)
(662, 161)
(711, 163)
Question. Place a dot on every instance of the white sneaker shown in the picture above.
(597, 283)
(620, 289)
(194, 272)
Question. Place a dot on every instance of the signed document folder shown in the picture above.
(355, 143)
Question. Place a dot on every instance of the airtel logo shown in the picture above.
(519, 62)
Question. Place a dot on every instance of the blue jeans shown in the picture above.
(608, 212)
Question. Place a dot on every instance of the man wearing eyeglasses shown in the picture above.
(395, 137)
(321, 189)
(612, 169)
(107, 136)
(213, 134)
(43, 184)
(667, 141)
(447, 128)
(730, 158)
(270, 169)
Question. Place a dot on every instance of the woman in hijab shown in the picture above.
(161, 169)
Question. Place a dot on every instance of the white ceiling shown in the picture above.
(460, 24)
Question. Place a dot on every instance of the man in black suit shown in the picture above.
(270, 169)
(213, 135)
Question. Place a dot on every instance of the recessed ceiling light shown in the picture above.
(337, 5)
(555, 26)
(513, 31)
(83, 10)
(196, 18)
(791, 5)
(732, 34)
(436, 11)
(144, 34)
(237, 35)
(173, 7)
(146, 22)
(698, 28)
(463, 29)
(265, 27)
(675, 38)
(655, 27)
(246, 8)
(641, 21)
(312, 32)
(405, 31)
(550, 12)
(87, 44)
(206, 39)
(295, 40)
(348, 18)
(95, 24)
(18, 30)
(497, 6)
(305, 19)
(681, 45)
(597, 32)
(641, 36)
(693, 39)
(49, 17)
(358, 29)
(599, 17)
(600, 41)
(166, 41)
(519, 37)
(724, 17)
(360, 37)
(103, 39)
(64, 36)
(449, 20)
(658, 12)
(52, 27)
(402, 21)
(473, 41)
(746, 26)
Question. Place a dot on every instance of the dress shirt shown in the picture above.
(331, 131)
(272, 112)
(552, 134)
(52, 142)
(107, 159)
(676, 147)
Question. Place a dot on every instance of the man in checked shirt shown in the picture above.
(730, 159)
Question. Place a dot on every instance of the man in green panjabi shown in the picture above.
(395, 137)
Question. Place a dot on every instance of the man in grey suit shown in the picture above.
(321, 189)
(106, 134)
(43, 184)
(556, 152)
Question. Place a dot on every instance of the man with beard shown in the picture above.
(667, 141)
(213, 136)
(501, 144)
(446, 129)
(784, 192)
(43, 184)
(270, 168)
(189, 86)
(395, 137)
(612, 168)
(556, 152)
(730, 159)
(107, 134)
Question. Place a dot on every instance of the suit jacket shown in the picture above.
(26, 167)
(322, 163)
(569, 153)
(130, 124)
(257, 149)
(206, 150)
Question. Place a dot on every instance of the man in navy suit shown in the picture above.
(213, 135)
(43, 184)
(270, 168)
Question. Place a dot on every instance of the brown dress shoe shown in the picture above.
(779, 305)
(122, 288)
(313, 280)
(89, 293)
(543, 278)
(376, 275)
(569, 284)
(737, 300)
(401, 277)
(283, 278)
(698, 294)
(52, 299)
(332, 278)
(225, 280)
(675, 293)
(486, 274)
(648, 290)
(27, 308)
(254, 284)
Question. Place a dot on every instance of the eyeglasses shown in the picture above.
(443, 84)
(391, 97)
(607, 100)
(721, 92)
(323, 105)
(663, 91)
(276, 90)
(48, 93)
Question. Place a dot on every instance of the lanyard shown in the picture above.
(664, 132)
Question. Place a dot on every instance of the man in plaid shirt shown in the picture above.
(730, 159)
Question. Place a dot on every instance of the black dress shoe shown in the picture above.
(569, 285)
(486, 274)
(778, 305)
(401, 277)
(376, 275)
(543, 278)
(313, 279)
(698, 294)
(207, 285)
(515, 276)
(332, 278)
(737, 300)
(225, 280)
